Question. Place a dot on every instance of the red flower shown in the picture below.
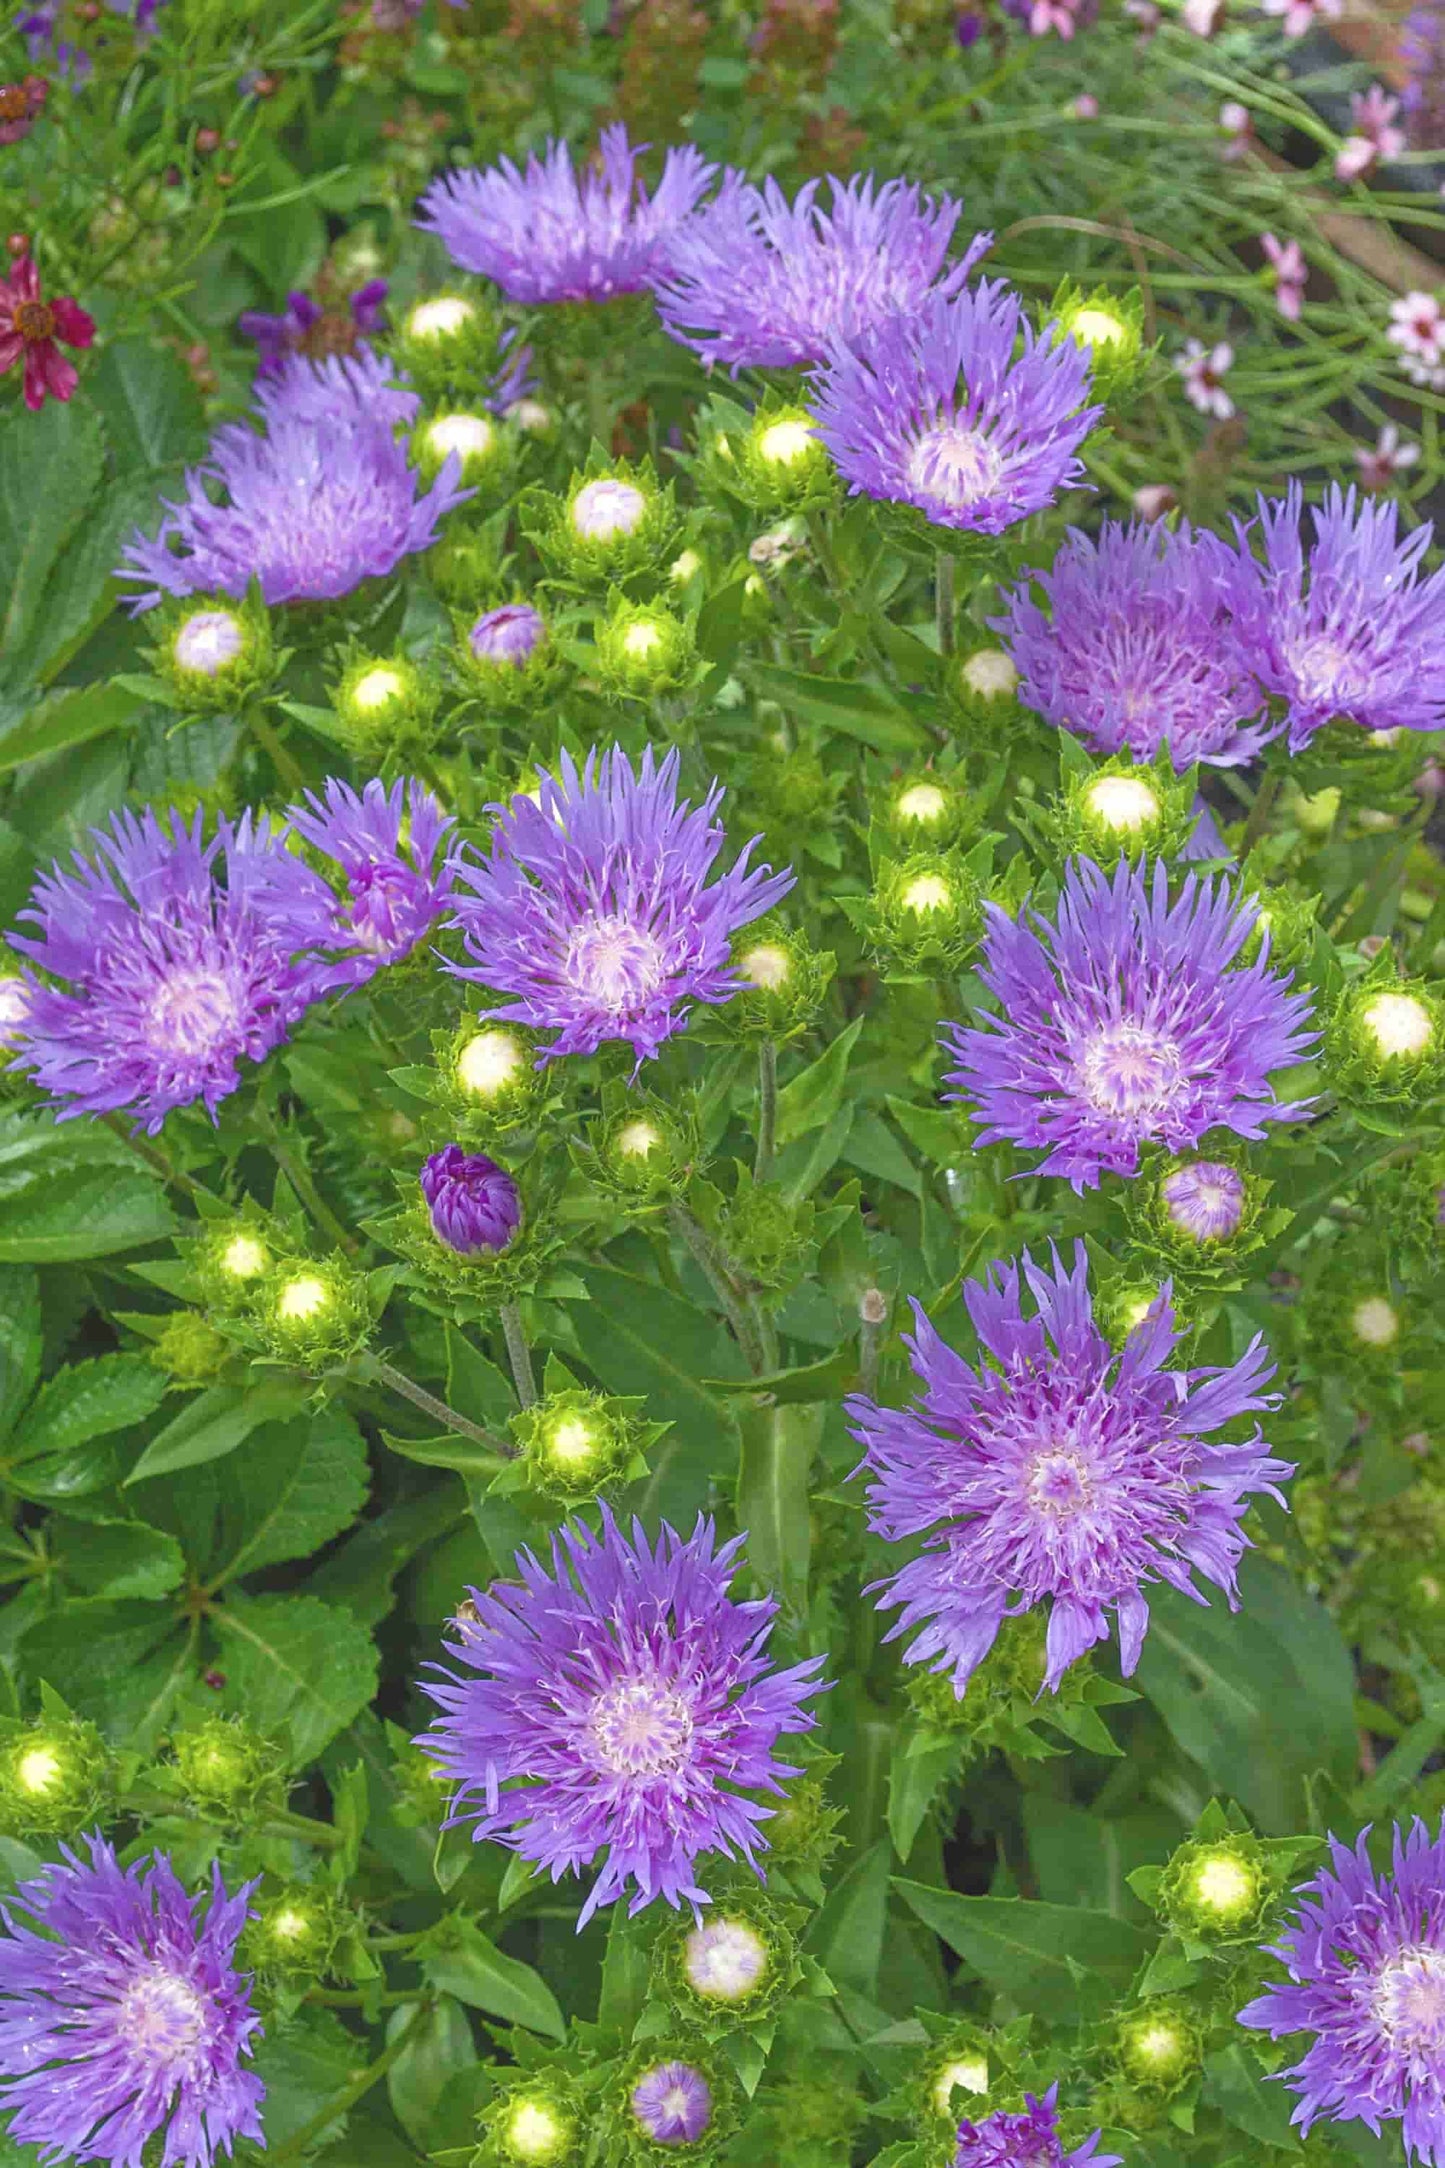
(19, 105)
(30, 326)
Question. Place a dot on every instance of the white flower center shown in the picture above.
(1327, 670)
(1059, 1485)
(302, 1298)
(487, 1064)
(640, 1728)
(927, 893)
(468, 435)
(534, 2133)
(1122, 803)
(192, 1013)
(969, 2075)
(37, 1770)
(439, 319)
(989, 673)
(1129, 1070)
(1399, 1024)
(616, 963)
(638, 1139)
(244, 1257)
(767, 966)
(725, 1959)
(923, 803)
(953, 465)
(208, 641)
(1375, 1321)
(1096, 327)
(785, 443)
(162, 2020)
(571, 1440)
(1408, 2002)
(378, 689)
(640, 640)
(607, 507)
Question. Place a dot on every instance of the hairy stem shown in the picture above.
(714, 1267)
(438, 1409)
(945, 571)
(519, 1355)
(767, 1110)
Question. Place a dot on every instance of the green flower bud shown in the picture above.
(464, 567)
(1289, 922)
(227, 1771)
(488, 1079)
(926, 809)
(1218, 1891)
(1198, 1215)
(212, 652)
(232, 1260)
(672, 2084)
(1124, 1305)
(537, 2119)
(987, 675)
(953, 2077)
(1123, 810)
(642, 649)
(576, 1443)
(803, 1832)
(641, 1150)
(1385, 1043)
(387, 705)
(614, 523)
(294, 1932)
(313, 1312)
(925, 911)
(56, 1776)
(476, 441)
(737, 1962)
(1110, 328)
(782, 464)
(190, 1349)
(450, 345)
(785, 981)
(1157, 2047)
(686, 567)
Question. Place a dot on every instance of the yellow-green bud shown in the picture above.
(1157, 2047)
(226, 1770)
(56, 1775)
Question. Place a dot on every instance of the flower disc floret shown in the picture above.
(957, 410)
(753, 281)
(1142, 645)
(1124, 1019)
(592, 908)
(616, 1704)
(1059, 1470)
(1365, 1955)
(124, 2024)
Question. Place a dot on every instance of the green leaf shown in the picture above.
(116, 1558)
(720, 624)
(65, 719)
(20, 1341)
(297, 1484)
(54, 1451)
(459, 1959)
(439, 2045)
(855, 710)
(61, 444)
(213, 1424)
(914, 1781)
(359, 1576)
(292, 1663)
(811, 1100)
(149, 403)
(1034, 1953)
(1260, 1698)
(847, 1935)
(641, 1339)
(773, 1495)
(73, 1191)
(1234, 2084)
(121, 1664)
(304, 2062)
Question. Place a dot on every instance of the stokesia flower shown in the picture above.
(1380, 462)
(592, 909)
(1139, 645)
(958, 409)
(618, 1703)
(1203, 372)
(1030, 2140)
(1351, 627)
(1376, 135)
(170, 976)
(1365, 1955)
(29, 328)
(1286, 261)
(318, 500)
(1058, 1470)
(123, 2020)
(753, 281)
(384, 842)
(1126, 1019)
(548, 235)
(306, 327)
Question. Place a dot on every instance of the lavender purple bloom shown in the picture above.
(592, 909)
(1366, 1960)
(753, 281)
(385, 842)
(1143, 645)
(123, 2019)
(471, 1201)
(548, 235)
(305, 327)
(957, 408)
(619, 1703)
(1126, 1018)
(171, 978)
(673, 2103)
(1350, 627)
(1030, 2140)
(1058, 1470)
(318, 500)
(511, 633)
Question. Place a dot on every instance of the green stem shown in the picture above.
(945, 568)
(1259, 812)
(301, 2141)
(767, 1110)
(388, 1374)
(298, 1174)
(283, 760)
(157, 1161)
(714, 1268)
(283, 1823)
(519, 1355)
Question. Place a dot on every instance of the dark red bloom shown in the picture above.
(20, 105)
(30, 327)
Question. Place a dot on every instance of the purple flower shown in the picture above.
(473, 1203)
(673, 2103)
(626, 1704)
(1204, 1199)
(1349, 628)
(385, 842)
(305, 327)
(1030, 2140)
(172, 977)
(546, 235)
(1143, 645)
(937, 409)
(1058, 1469)
(591, 908)
(1366, 1962)
(319, 500)
(511, 634)
(1127, 1018)
(122, 2015)
(754, 281)
(341, 385)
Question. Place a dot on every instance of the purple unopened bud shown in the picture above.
(511, 634)
(673, 2103)
(473, 1202)
(1205, 1200)
(967, 28)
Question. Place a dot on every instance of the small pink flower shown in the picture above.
(1085, 106)
(1290, 273)
(1057, 15)
(1203, 372)
(1203, 17)
(1417, 327)
(1301, 16)
(1153, 499)
(1381, 461)
(1238, 124)
(1376, 135)
(1147, 14)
